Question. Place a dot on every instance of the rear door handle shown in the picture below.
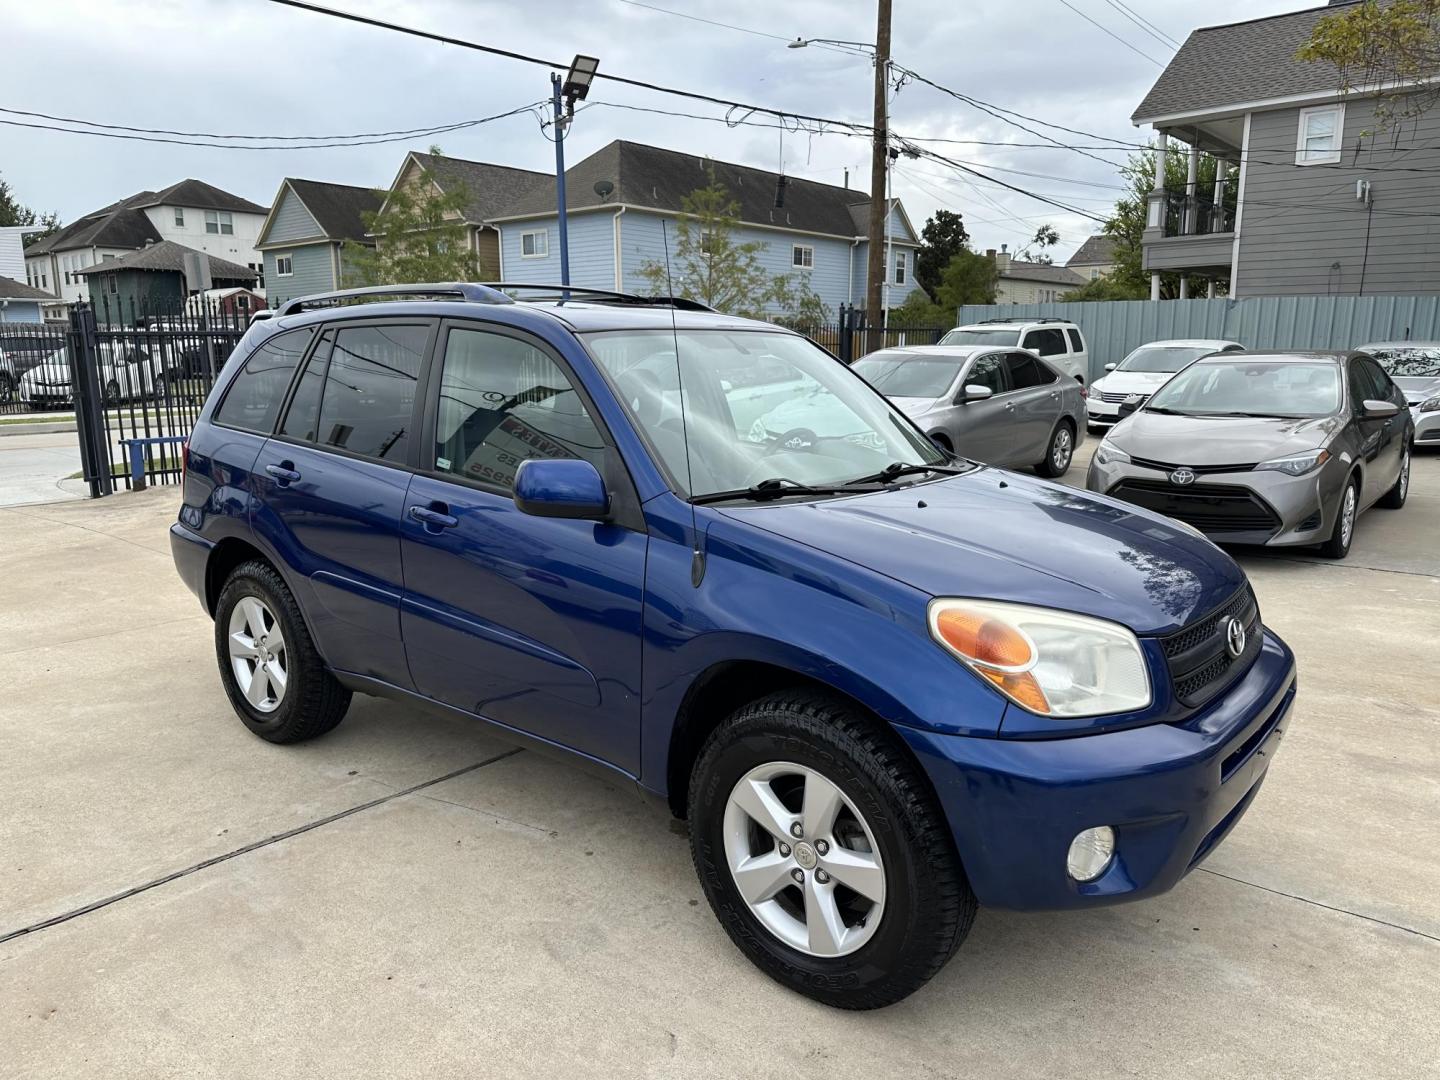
(283, 473)
(435, 519)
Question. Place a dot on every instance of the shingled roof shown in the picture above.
(660, 179)
(10, 289)
(338, 209)
(488, 187)
(124, 224)
(1029, 271)
(170, 256)
(1224, 66)
(1095, 251)
(199, 195)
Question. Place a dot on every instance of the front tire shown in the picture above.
(1394, 499)
(1338, 546)
(1059, 451)
(272, 674)
(823, 852)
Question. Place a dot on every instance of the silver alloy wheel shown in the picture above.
(812, 876)
(1064, 447)
(1405, 473)
(1347, 515)
(257, 654)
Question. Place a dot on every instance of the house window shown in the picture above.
(111, 286)
(284, 265)
(902, 266)
(802, 256)
(1319, 140)
(1095, 274)
(535, 245)
(219, 221)
(179, 217)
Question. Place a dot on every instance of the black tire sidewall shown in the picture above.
(1334, 548)
(893, 940)
(1046, 467)
(247, 581)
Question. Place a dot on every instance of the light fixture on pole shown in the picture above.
(564, 93)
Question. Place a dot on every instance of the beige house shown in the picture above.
(1093, 259)
(1029, 282)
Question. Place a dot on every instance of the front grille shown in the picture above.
(1211, 508)
(1433, 435)
(1120, 399)
(1199, 656)
(1198, 470)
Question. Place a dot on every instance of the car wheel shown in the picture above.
(268, 664)
(1394, 499)
(823, 852)
(161, 387)
(1338, 546)
(7, 387)
(1059, 452)
(112, 393)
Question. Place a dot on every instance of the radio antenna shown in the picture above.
(697, 557)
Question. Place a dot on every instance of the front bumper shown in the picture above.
(1171, 792)
(1427, 427)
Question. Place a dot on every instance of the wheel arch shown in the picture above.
(225, 556)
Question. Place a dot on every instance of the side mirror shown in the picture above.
(561, 488)
(1111, 367)
(1130, 404)
(1379, 410)
(975, 392)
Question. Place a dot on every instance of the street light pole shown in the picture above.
(555, 85)
(875, 274)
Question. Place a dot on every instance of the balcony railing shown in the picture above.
(1194, 215)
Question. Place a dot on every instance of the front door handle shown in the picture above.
(433, 519)
(1009, 406)
(283, 473)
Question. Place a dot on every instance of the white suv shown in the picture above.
(1057, 340)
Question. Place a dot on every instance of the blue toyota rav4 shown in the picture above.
(883, 684)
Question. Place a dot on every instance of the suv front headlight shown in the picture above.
(1049, 662)
(1295, 464)
(1430, 405)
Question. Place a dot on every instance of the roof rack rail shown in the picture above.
(463, 290)
(603, 296)
(1022, 318)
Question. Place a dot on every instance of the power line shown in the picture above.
(1162, 38)
(730, 26)
(1106, 30)
(1148, 23)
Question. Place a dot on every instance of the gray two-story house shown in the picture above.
(1311, 197)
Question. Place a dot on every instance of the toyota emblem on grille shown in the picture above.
(1235, 637)
(1182, 476)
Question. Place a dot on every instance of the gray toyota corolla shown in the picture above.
(1274, 448)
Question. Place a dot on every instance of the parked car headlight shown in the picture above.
(1430, 405)
(1053, 663)
(1109, 454)
(1295, 464)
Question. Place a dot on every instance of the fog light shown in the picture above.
(1090, 853)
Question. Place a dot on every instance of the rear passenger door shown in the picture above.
(533, 622)
(982, 428)
(1033, 405)
(330, 487)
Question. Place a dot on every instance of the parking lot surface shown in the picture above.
(408, 896)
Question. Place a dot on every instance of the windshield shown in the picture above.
(981, 337)
(1401, 362)
(1163, 357)
(1250, 388)
(908, 375)
(753, 406)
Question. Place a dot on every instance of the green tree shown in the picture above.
(708, 263)
(1394, 44)
(943, 237)
(969, 278)
(1045, 237)
(14, 212)
(420, 235)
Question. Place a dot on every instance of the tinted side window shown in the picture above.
(1076, 345)
(987, 371)
(1047, 342)
(503, 401)
(1360, 385)
(368, 402)
(1384, 388)
(1026, 371)
(304, 412)
(253, 400)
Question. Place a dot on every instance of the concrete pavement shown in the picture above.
(34, 467)
(524, 919)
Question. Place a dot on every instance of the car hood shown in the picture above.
(1418, 388)
(917, 406)
(50, 373)
(1131, 382)
(1218, 440)
(1005, 536)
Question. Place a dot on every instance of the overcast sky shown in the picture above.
(255, 67)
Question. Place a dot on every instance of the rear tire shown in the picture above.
(1338, 546)
(815, 934)
(1394, 499)
(275, 679)
(1059, 451)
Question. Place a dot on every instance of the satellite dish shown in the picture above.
(604, 188)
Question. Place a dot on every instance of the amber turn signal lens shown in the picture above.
(984, 639)
(1023, 688)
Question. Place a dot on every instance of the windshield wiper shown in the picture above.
(778, 487)
(1163, 411)
(897, 469)
(1257, 415)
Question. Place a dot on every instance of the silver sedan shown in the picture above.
(996, 405)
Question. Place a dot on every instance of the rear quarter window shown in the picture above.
(253, 399)
(1076, 345)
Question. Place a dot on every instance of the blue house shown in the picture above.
(618, 197)
(303, 237)
(22, 303)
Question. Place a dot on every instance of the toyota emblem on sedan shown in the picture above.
(1235, 637)
(1182, 476)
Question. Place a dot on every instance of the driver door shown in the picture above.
(984, 429)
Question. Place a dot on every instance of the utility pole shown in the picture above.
(555, 86)
(875, 274)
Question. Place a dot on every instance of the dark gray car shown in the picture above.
(1002, 406)
(1265, 448)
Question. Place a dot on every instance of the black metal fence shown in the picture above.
(853, 335)
(133, 380)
